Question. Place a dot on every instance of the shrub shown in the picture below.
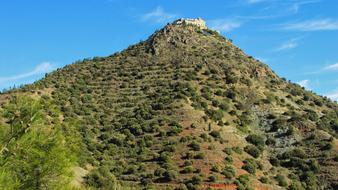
(164, 156)
(298, 153)
(175, 129)
(145, 181)
(255, 140)
(195, 146)
(264, 179)
(296, 185)
(193, 125)
(215, 103)
(229, 160)
(215, 115)
(181, 187)
(237, 149)
(169, 175)
(228, 151)
(249, 167)
(243, 180)
(253, 151)
(215, 168)
(215, 134)
(204, 136)
(281, 180)
(199, 156)
(191, 186)
(212, 178)
(159, 172)
(278, 124)
(187, 163)
(224, 106)
(274, 161)
(229, 172)
(270, 141)
(290, 131)
(196, 180)
(219, 92)
(188, 169)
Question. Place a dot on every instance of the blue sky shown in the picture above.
(298, 39)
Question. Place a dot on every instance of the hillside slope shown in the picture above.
(187, 109)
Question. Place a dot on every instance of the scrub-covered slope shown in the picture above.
(187, 109)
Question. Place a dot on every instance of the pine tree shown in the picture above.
(34, 153)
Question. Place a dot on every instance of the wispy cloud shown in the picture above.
(333, 67)
(294, 8)
(254, 1)
(224, 25)
(304, 83)
(312, 25)
(42, 68)
(333, 96)
(325, 69)
(158, 15)
(290, 44)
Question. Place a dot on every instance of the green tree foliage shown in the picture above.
(34, 153)
(255, 140)
(253, 151)
(229, 172)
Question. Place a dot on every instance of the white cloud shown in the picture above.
(224, 25)
(304, 83)
(333, 96)
(333, 67)
(312, 25)
(294, 8)
(254, 1)
(290, 44)
(42, 68)
(158, 15)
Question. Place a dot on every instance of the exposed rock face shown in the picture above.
(186, 21)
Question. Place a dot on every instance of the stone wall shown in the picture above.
(186, 21)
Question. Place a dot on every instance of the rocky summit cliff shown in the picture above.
(187, 109)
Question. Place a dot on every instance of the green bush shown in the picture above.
(229, 172)
(195, 146)
(215, 134)
(215, 168)
(188, 169)
(255, 140)
(228, 151)
(196, 180)
(252, 150)
(229, 159)
(237, 149)
(281, 180)
(169, 175)
(296, 185)
(264, 179)
(274, 161)
(243, 181)
(199, 156)
(212, 178)
(224, 106)
(215, 115)
(249, 167)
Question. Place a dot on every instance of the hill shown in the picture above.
(187, 109)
